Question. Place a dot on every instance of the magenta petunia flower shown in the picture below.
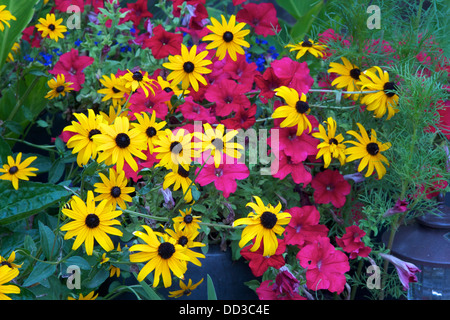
(295, 73)
(240, 70)
(267, 83)
(406, 270)
(285, 165)
(163, 43)
(137, 11)
(71, 65)
(259, 263)
(157, 102)
(325, 266)
(228, 96)
(244, 118)
(330, 186)
(261, 16)
(304, 227)
(225, 176)
(195, 112)
(351, 242)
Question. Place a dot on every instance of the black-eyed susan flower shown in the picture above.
(114, 89)
(82, 142)
(90, 296)
(51, 27)
(187, 220)
(163, 257)
(114, 189)
(227, 37)
(188, 68)
(174, 149)
(332, 145)
(386, 99)
(305, 46)
(15, 48)
(186, 238)
(149, 127)
(263, 224)
(348, 77)
(219, 141)
(113, 113)
(179, 177)
(185, 289)
(58, 87)
(295, 111)
(16, 170)
(6, 275)
(91, 222)
(135, 80)
(170, 87)
(10, 261)
(119, 143)
(5, 16)
(369, 151)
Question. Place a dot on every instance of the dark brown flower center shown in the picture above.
(306, 43)
(188, 67)
(183, 240)
(188, 218)
(138, 76)
(355, 73)
(176, 147)
(52, 27)
(115, 192)
(372, 148)
(122, 140)
(115, 90)
(60, 89)
(389, 89)
(13, 170)
(92, 221)
(227, 36)
(268, 220)
(151, 132)
(168, 89)
(301, 107)
(166, 250)
(333, 141)
(182, 172)
(93, 132)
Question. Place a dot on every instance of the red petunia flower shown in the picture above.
(304, 227)
(325, 266)
(351, 242)
(296, 73)
(228, 96)
(443, 109)
(137, 11)
(62, 5)
(330, 186)
(139, 103)
(225, 176)
(163, 43)
(267, 82)
(284, 165)
(261, 16)
(240, 70)
(259, 263)
(270, 291)
(244, 118)
(406, 271)
(195, 112)
(32, 36)
(71, 65)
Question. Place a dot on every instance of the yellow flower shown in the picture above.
(295, 112)
(89, 296)
(82, 142)
(104, 259)
(188, 68)
(114, 89)
(14, 49)
(185, 290)
(149, 127)
(264, 224)
(51, 27)
(5, 16)
(9, 262)
(113, 114)
(14, 170)
(227, 37)
(332, 145)
(58, 86)
(187, 221)
(369, 151)
(385, 98)
(163, 257)
(218, 141)
(174, 149)
(305, 46)
(179, 178)
(114, 189)
(91, 222)
(348, 77)
(136, 80)
(6, 275)
(119, 143)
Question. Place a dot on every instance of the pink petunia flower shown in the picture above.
(259, 263)
(240, 70)
(304, 227)
(351, 242)
(399, 207)
(163, 43)
(141, 103)
(270, 291)
(330, 186)
(71, 65)
(295, 73)
(195, 112)
(225, 176)
(261, 16)
(325, 266)
(228, 96)
(267, 83)
(285, 165)
(406, 271)
(244, 118)
(137, 11)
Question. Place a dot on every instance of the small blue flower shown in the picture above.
(78, 42)
(99, 33)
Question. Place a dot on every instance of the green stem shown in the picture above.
(20, 102)
(43, 147)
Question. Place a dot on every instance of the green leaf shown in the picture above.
(23, 10)
(40, 272)
(30, 198)
(296, 8)
(49, 242)
(210, 289)
(303, 25)
(78, 261)
(5, 151)
(152, 295)
(97, 279)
